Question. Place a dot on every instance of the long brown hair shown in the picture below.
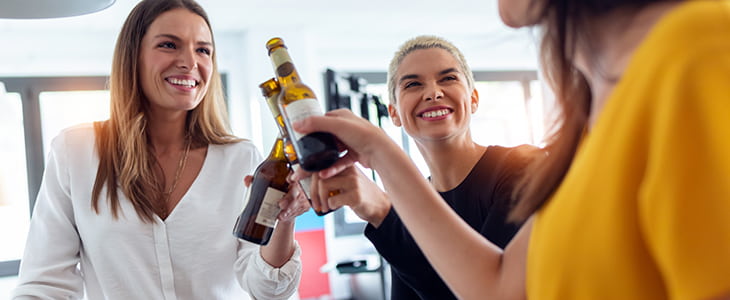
(562, 23)
(125, 159)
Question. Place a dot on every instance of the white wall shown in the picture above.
(320, 34)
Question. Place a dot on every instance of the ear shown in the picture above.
(394, 115)
(474, 101)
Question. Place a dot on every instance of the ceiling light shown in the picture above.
(41, 9)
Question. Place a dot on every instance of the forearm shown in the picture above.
(440, 233)
(281, 246)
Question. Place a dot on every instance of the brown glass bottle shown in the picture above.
(316, 150)
(258, 219)
(270, 90)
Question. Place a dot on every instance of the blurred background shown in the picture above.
(54, 70)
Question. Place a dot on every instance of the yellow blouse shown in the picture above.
(644, 212)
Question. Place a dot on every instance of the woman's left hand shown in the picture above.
(292, 205)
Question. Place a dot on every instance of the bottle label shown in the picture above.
(300, 110)
(282, 62)
(269, 207)
(306, 183)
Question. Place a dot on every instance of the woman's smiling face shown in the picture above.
(176, 61)
(433, 97)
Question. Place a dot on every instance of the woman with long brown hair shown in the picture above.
(633, 197)
(141, 206)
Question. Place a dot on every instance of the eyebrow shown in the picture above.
(174, 37)
(413, 76)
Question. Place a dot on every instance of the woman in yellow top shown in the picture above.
(633, 199)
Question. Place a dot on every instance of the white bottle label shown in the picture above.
(305, 183)
(279, 57)
(269, 207)
(300, 110)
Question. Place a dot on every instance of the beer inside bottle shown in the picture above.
(270, 90)
(258, 219)
(316, 150)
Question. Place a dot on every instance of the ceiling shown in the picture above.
(359, 27)
(374, 15)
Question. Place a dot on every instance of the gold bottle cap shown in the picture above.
(269, 87)
(274, 43)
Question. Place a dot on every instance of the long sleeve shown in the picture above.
(261, 280)
(256, 276)
(49, 268)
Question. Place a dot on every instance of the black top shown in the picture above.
(482, 200)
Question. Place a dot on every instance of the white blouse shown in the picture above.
(73, 252)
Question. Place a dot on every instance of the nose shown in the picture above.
(433, 92)
(187, 60)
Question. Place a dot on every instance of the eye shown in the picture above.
(449, 77)
(411, 84)
(205, 51)
(167, 45)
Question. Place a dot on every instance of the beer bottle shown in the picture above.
(270, 90)
(258, 219)
(316, 150)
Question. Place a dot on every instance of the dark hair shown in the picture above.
(562, 23)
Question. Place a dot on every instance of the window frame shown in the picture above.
(30, 89)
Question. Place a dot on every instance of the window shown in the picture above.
(32, 111)
(60, 110)
(14, 208)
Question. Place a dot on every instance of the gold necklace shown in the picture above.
(180, 168)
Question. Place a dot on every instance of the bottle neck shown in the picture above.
(277, 152)
(272, 100)
(286, 73)
(289, 151)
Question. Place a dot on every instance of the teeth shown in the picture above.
(435, 113)
(183, 82)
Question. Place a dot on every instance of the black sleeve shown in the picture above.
(391, 239)
(511, 169)
(395, 244)
(399, 290)
(508, 172)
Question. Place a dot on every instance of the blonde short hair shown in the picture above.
(425, 42)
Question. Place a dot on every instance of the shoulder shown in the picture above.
(235, 153)
(517, 154)
(241, 147)
(692, 31)
(74, 137)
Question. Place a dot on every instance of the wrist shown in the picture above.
(379, 214)
(387, 156)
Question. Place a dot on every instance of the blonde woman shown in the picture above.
(432, 96)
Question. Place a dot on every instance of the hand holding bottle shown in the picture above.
(292, 204)
(354, 189)
(365, 143)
